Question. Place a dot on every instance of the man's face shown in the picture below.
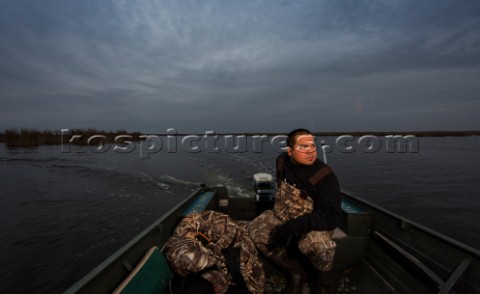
(304, 150)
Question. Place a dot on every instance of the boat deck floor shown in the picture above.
(359, 279)
(363, 279)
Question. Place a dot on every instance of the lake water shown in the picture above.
(62, 213)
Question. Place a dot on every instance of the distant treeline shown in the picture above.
(359, 134)
(29, 137)
(415, 133)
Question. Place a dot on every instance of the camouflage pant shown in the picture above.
(318, 246)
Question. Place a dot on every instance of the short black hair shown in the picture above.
(294, 133)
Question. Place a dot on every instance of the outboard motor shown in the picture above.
(264, 187)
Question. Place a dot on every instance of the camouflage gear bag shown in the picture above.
(199, 243)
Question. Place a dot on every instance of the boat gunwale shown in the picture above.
(105, 264)
(448, 240)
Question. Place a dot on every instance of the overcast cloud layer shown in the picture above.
(233, 66)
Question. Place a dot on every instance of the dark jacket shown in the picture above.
(326, 195)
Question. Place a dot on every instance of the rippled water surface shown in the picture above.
(63, 213)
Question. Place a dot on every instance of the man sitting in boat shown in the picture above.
(306, 211)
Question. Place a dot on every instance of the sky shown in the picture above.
(240, 66)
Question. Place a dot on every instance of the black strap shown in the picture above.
(232, 260)
(194, 283)
(280, 163)
(319, 175)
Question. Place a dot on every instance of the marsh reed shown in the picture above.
(30, 137)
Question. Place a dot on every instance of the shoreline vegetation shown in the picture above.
(29, 137)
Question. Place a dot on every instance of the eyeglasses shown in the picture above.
(306, 148)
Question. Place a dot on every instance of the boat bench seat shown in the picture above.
(151, 275)
(338, 234)
(355, 221)
(352, 236)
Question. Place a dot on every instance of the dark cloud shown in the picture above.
(240, 65)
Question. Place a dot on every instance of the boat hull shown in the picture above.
(377, 251)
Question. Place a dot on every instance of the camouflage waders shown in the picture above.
(318, 246)
(196, 245)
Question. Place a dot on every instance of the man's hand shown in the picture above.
(281, 235)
